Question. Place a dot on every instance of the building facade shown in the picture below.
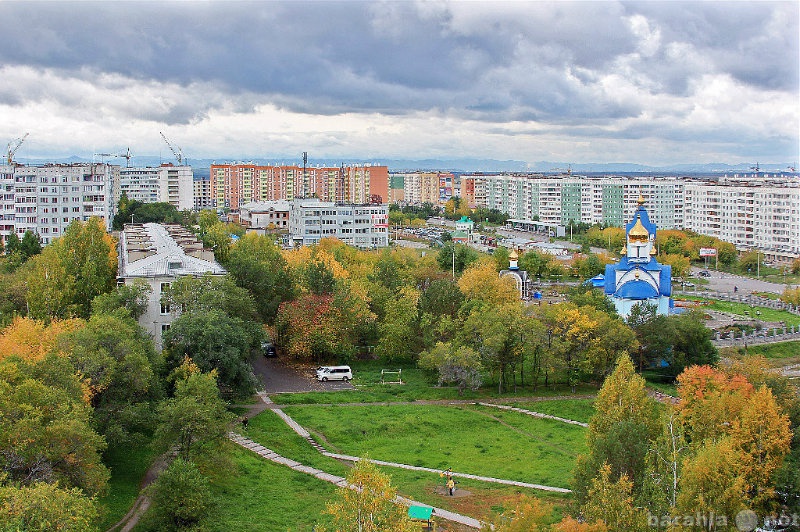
(159, 254)
(46, 199)
(362, 226)
(763, 215)
(233, 185)
(166, 184)
(261, 217)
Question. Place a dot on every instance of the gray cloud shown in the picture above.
(577, 66)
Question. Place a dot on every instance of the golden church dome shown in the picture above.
(638, 233)
(513, 255)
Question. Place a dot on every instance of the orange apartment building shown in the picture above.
(233, 185)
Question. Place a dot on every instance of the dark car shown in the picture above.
(705, 273)
(269, 350)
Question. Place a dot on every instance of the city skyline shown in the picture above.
(643, 82)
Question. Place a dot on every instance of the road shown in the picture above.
(278, 376)
(726, 282)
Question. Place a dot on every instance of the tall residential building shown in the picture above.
(202, 193)
(7, 205)
(48, 198)
(166, 184)
(760, 214)
(233, 185)
(159, 254)
(363, 226)
(427, 187)
(750, 216)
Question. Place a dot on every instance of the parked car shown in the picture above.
(334, 373)
(268, 349)
(704, 273)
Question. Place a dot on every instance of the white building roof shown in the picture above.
(163, 255)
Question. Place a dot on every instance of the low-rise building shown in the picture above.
(363, 226)
(159, 254)
(261, 217)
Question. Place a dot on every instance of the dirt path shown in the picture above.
(142, 502)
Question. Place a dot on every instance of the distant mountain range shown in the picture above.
(452, 165)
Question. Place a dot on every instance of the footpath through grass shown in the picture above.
(745, 311)
(128, 464)
(779, 354)
(258, 495)
(496, 444)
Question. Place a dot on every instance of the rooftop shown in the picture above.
(156, 250)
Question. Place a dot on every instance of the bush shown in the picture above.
(181, 499)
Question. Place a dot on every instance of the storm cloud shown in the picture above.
(695, 72)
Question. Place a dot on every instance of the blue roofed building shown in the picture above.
(638, 278)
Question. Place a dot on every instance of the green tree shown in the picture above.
(131, 297)
(181, 498)
(43, 507)
(625, 423)
(691, 343)
(369, 505)
(463, 256)
(46, 432)
(214, 341)
(460, 366)
(117, 362)
(256, 264)
(195, 420)
(30, 245)
(69, 273)
(612, 502)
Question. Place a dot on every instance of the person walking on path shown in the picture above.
(451, 486)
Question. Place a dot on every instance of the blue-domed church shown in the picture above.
(638, 277)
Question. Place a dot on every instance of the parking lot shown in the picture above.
(279, 376)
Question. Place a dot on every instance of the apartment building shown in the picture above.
(363, 226)
(159, 254)
(427, 187)
(48, 198)
(202, 193)
(749, 215)
(233, 185)
(7, 205)
(759, 214)
(166, 184)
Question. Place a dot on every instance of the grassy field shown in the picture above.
(745, 311)
(779, 354)
(575, 409)
(260, 495)
(466, 439)
(417, 385)
(128, 465)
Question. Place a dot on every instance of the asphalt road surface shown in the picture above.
(278, 376)
(726, 282)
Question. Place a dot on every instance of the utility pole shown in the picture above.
(305, 180)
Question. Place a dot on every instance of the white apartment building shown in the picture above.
(363, 226)
(159, 254)
(7, 206)
(165, 184)
(49, 198)
(757, 215)
(750, 216)
(559, 200)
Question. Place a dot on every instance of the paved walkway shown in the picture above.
(342, 482)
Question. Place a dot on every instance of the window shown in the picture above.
(164, 306)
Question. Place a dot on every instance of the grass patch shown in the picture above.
(575, 409)
(440, 437)
(128, 464)
(747, 312)
(418, 385)
(779, 354)
(273, 433)
(260, 495)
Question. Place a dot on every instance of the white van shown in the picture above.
(334, 373)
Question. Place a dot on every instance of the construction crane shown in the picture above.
(13, 146)
(178, 154)
(127, 155)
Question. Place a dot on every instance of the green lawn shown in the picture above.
(468, 440)
(746, 311)
(417, 385)
(128, 465)
(260, 495)
(779, 354)
(575, 409)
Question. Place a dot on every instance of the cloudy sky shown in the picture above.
(643, 82)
